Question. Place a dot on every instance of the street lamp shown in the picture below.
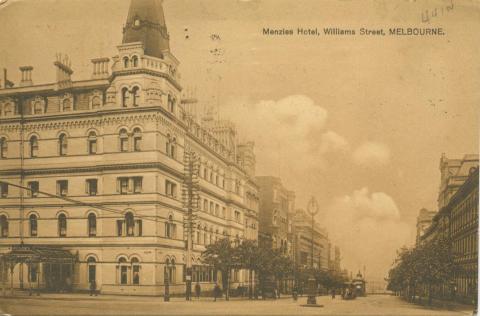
(312, 208)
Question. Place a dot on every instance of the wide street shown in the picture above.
(115, 305)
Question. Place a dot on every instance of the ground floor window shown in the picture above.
(170, 271)
(32, 273)
(92, 269)
(203, 274)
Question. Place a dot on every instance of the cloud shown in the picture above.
(371, 152)
(368, 229)
(290, 135)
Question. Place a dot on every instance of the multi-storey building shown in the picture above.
(93, 173)
(464, 235)
(303, 243)
(424, 220)
(276, 203)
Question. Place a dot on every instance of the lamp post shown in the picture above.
(312, 208)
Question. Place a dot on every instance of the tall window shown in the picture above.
(170, 271)
(171, 146)
(33, 188)
(135, 61)
(62, 145)
(92, 269)
(92, 143)
(67, 105)
(170, 228)
(171, 103)
(96, 102)
(275, 217)
(199, 235)
(123, 140)
(125, 97)
(137, 184)
(8, 110)
(205, 205)
(33, 146)
(130, 224)
(3, 190)
(170, 189)
(135, 271)
(37, 108)
(137, 139)
(62, 187)
(125, 62)
(92, 225)
(123, 270)
(62, 225)
(91, 187)
(123, 185)
(3, 147)
(3, 226)
(135, 96)
(33, 225)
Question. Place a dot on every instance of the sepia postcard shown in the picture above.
(239, 157)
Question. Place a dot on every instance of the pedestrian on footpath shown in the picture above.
(93, 288)
(333, 293)
(197, 290)
(216, 292)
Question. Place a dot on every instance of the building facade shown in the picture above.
(424, 220)
(97, 168)
(276, 203)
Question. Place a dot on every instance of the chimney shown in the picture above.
(4, 82)
(100, 68)
(26, 76)
(64, 71)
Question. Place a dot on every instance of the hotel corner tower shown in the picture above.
(106, 179)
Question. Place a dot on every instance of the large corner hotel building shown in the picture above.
(96, 169)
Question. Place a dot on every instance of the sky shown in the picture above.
(357, 122)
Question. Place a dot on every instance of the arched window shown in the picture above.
(3, 147)
(92, 225)
(217, 209)
(125, 62)
(3, 226)
(135, 61)
(135, 271)
(62, 145)
(67, 105)
(170, 228)
(217, 233)
(92, 269)
(92, 143)
(62, 225)
(135, 96)
(137, 139)
(275, 217)
(37, 108)
(125, 97)
(33, 146)
(8, 110)
(123, 270)
(210, 238)
(170, 271)
(123, 137)
(33, 225)
(205, 205)
(96, 102)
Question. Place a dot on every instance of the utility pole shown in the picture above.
(22, 181)
(190, 203)
(312, 208)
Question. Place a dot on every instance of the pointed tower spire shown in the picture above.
(146, 24)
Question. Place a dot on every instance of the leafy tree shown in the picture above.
(223, 257)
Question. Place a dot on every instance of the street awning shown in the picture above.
(35, 254)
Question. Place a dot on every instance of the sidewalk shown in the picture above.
(441, 304)
(110, 297)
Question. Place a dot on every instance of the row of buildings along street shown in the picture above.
(453, 226)
(116, 182)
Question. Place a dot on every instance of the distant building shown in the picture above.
(276, 202)
(303, 242)
(424, 220)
